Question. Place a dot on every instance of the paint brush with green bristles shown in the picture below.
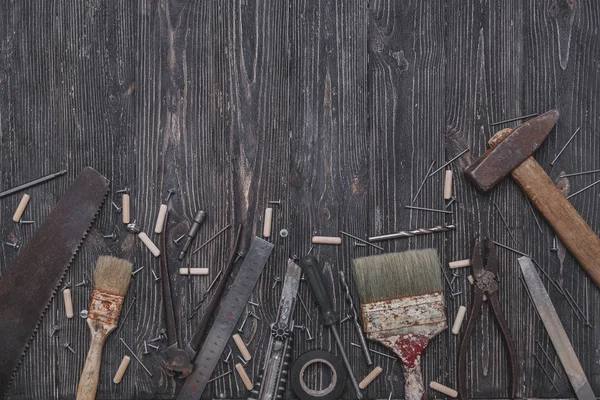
(402, 305)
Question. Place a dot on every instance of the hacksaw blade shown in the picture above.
(27, 288)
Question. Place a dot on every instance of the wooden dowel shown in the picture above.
(460, 316)
(471, 281)
(242, 372)
(68, 303)
(241, 347)
(21, 208)
(125, 213)
(193, 271)
(459, 264)
(448, 185)
(160, 220)
(122, 368)
(268, 222)
(370, 378)
(326, 240)
(443, 389)
(149, 244)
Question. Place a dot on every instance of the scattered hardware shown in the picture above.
(273, 378)
(149, 244)
(361, 242)
(111, 281)
(177, 240)
(328, 360)
(134, 273)
(268, 222)
(160, 220)
(549, 360)
(354, 317)
(225, 320)
(391, 288)
(326, 240)
(199, 219)
(68, 299)
(358, 244)
(370, 378)
(205, 295)
(513, 119)
(448, 185)
(486, 282)
(459, 264)
(309, 265)
(136, 357)
(242, 372)
(511, 153)
(55, 328)
(22, 222)
(211, 239)
(133, 227)
(32, 183)
(193, 271)
(278, 202)
(584, 189)
(112, 236)
(545, 372)
(241, 347)
(68, 347)
(460, 316)
(219, 376)
(452, 201)
(424, 180)
(21, 208)
(376, 352)
(580, 173)
(443, 389)
(117, 208)
(13, 245)
(125, 208)
(416, 232)
(429, 209)
(156, 277)
(284, 233)
(121, 371)
(83, 314)
(565, 146)
(126, 315)
(556, 331)
(449, 162)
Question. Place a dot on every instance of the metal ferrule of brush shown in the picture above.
(199, 219)
(309, 265)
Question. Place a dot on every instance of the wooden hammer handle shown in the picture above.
(568, 225)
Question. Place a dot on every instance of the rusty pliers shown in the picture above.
(485, 282)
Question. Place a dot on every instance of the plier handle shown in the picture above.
(485, 283)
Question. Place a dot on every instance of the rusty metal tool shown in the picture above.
(199, 219)
(510, 152)
(25, 295)
(486, 283)
(556, 331)
(32, 183)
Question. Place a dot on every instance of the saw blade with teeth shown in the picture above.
(27, 288)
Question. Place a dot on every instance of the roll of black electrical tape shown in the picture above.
(328, 360)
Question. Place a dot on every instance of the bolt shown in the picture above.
(179, 239)
(25, 222)
(156, 278)
(309, 336)
(68, 346)
(277, 280)
(171, 193)
(84, 282)
(346, 318)
(126, 190)
(242, 360)
(112, 236)
(452, 200)
(153, 346)
(274, 202)
(359, 244)
(117, 208)
(554, 248)
(14, 245)
(83, 314)
(55, 328)
(136, 271)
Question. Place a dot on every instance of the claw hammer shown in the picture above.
(510, 152)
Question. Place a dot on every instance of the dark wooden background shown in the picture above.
(337, 108)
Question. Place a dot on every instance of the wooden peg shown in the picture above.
(460, 316)
(471, 281)
(459, 264)
(160, 220)
(126, 202)
(370, 378)
(242, 372)
(149, 244)
(448, 185)
(193, 271)
(326, 240)
(68, 303)
(242, 347)
(122, 368)
(268, 222)
(443, 389)
(21, 208)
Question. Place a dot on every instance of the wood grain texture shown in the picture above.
(338, 109)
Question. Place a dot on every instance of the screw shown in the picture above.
(274, 202)
(117, 208)
(84, 282)
(126, 190)
(112, 236)
(156, 278)
(242, 360)
(153, 346)
(308, 334)
(277, 280)
(554, 248)
(346, 318)
(452, 200)
(171, 193)
(359, 244)
(25, 222)
(83, 314)
(179, 239)
(68, 346)
(15, 245)
(55, 328)
(136, 271)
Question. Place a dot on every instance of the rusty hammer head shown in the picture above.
(508, 149)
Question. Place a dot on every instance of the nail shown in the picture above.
(308, 334)
(449, 162)
(360, 242)
(513, 119)
(554, 248)
(68, 346)
(25, 222)
(424, 179)
(274, 202)
(429, 209)
(565, 146)
(156, 278)
(506, 224)
(346, 318)
(242, 360)
(171, 193)
(84, 282)
(277, 280)
(153, 346)
(585, 188)
(112, 236)
(136, 271)
(14, 245)
(179, 239)
(241, 328)
(452, 200)
(126, 190)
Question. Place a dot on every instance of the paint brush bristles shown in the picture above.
(387, 276)
(112, 275)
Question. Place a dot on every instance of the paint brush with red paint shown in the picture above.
(402, 306)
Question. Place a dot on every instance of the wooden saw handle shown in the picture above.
(568, 225)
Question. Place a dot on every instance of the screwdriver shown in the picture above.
(309, 265)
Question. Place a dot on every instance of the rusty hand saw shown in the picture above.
(28, 286)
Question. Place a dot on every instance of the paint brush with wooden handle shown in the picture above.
(402, 306)
(111, 281)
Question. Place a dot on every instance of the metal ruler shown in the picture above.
(232, 307)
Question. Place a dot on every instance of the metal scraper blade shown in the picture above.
(27, 288)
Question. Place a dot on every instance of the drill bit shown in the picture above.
(354, 317)
(416, 232)
(196, 224)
